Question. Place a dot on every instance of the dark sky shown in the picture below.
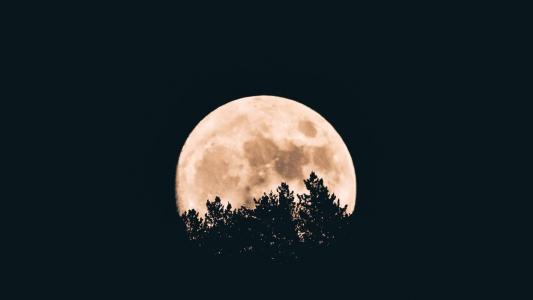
(134, 82)
(167, 93)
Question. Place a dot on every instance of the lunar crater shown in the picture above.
(307, 128)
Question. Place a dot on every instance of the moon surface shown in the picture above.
(250, 145)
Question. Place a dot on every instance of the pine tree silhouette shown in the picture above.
(278, 228)
(194, 225)
(284, 225)
(215, 226)
(320, 217)
(244, 230)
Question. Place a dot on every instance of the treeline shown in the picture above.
(280, 227)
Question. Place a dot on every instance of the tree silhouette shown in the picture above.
(215, 226)
(194, 226)
(282, 224)
(320, 217)
(243, 231)
(278, 228)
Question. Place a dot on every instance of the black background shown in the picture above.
(167, 97)
(124, 86)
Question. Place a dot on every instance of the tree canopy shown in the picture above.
(281, 227)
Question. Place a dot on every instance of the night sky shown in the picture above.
(135, 83)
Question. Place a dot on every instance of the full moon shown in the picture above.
(250, 145)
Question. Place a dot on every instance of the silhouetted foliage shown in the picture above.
(195, 225)
(320, 217)
(279, 228)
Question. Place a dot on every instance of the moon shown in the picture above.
(250, 145)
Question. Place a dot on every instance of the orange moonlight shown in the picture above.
(251, 145)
